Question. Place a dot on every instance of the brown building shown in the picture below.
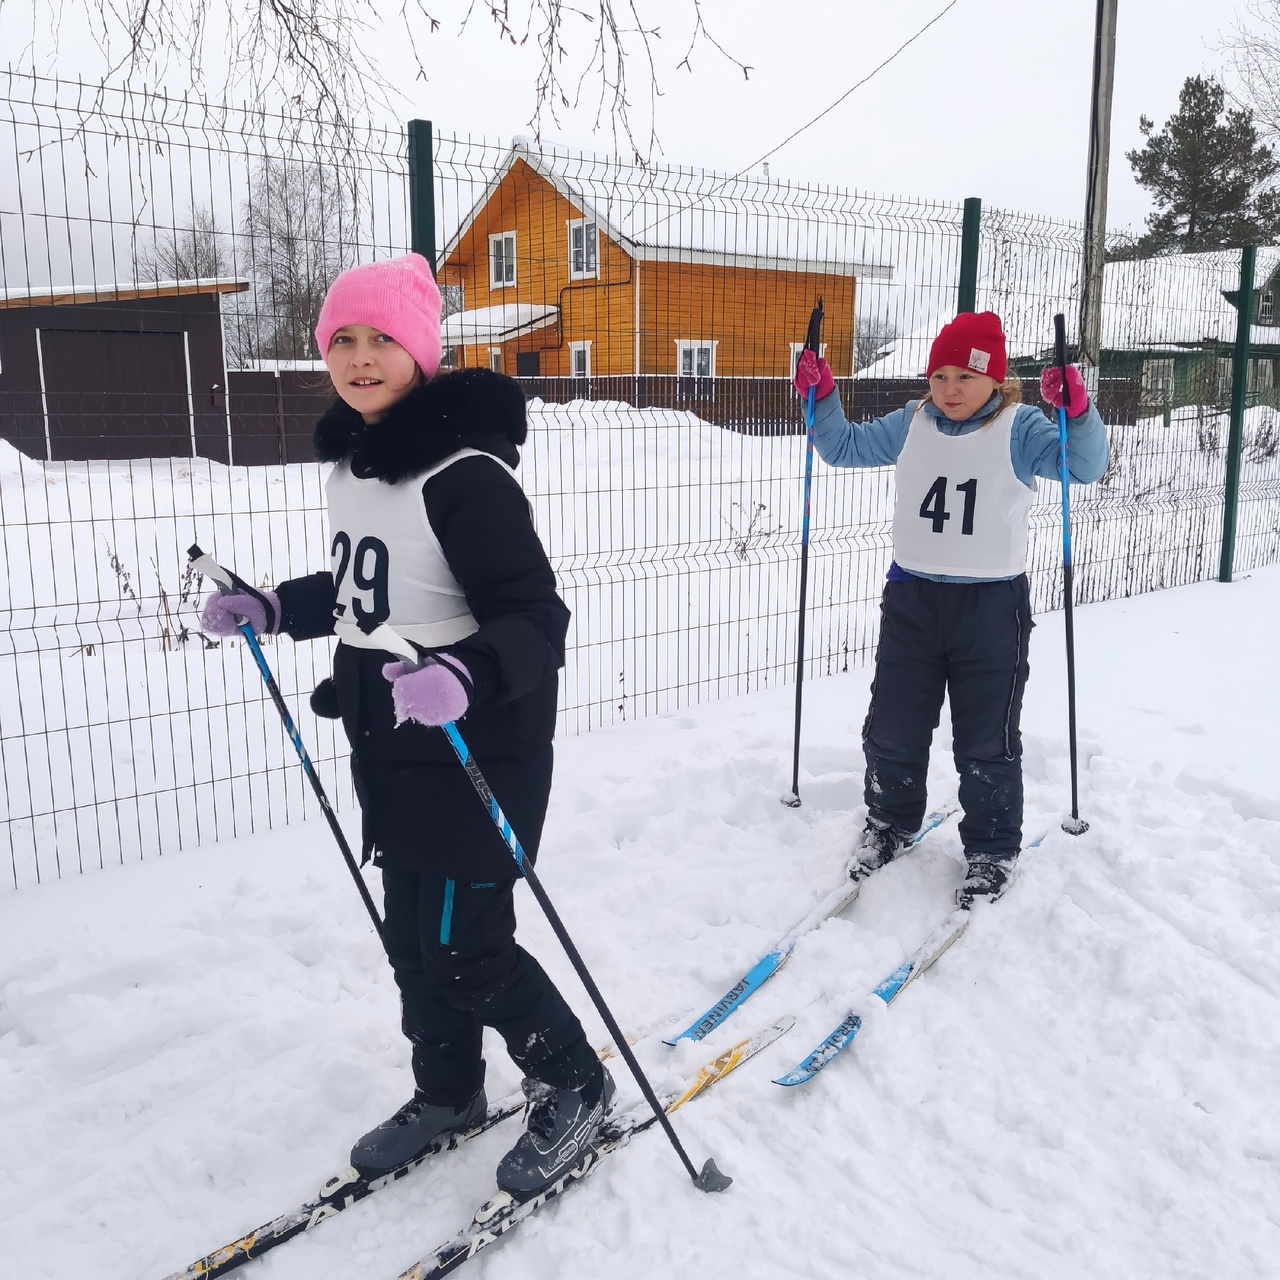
(115, 371)
(575, 267)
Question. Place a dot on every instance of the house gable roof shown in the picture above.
(690, 215)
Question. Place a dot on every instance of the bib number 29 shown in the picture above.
(934, 506)
(369, 568)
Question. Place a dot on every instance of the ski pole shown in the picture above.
(1073, 825)
(710, 1179)
(813, 342)
(228, 581)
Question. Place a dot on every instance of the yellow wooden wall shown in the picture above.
(598, 310)
(753, 314)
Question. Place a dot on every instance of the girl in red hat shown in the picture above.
(956, 611)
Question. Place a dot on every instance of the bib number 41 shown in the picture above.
(934, 506)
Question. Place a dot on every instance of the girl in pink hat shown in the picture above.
(431, 533)
(956, 611)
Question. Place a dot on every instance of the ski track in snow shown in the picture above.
(1084, 1086)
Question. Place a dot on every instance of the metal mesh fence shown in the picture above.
(161, 264)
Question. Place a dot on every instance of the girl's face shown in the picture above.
(370, 369)
(960, 393)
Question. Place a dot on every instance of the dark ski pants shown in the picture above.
(969, 641)
(454, 956)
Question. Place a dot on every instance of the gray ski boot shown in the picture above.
(408, 1133)
(561, 1127)
(986, 879)
(878, 846)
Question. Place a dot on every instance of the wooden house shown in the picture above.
(583, 268)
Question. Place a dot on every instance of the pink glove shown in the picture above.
(435, 693)
(223, 614)
(813, 371)
(1051, 389)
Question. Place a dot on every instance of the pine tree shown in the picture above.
(1208, 176)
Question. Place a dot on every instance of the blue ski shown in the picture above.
(893, 986)
(833, 904)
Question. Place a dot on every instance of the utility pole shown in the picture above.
(1095, 233)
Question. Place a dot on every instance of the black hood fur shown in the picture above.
(470, 409)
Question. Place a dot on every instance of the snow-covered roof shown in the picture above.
(46, 295)
(1176, 302)
(1154, 305)
(495, 324)
(906, 358)
(693, 215)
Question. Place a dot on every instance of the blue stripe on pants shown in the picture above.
(446, 914)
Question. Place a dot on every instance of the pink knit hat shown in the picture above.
(397, 297)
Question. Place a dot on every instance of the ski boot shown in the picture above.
(562, 1124)
(408, 1133)
(986, 878)
(878, 846)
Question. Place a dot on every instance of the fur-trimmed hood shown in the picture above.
(469, 409)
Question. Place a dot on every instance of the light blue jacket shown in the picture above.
(1033, 443)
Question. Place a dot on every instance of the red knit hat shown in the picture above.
(971, 341)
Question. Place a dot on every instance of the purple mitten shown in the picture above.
(813, 371)
(1051, 389)
(223, 614)
(435, 693)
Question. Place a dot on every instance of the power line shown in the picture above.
(875, 71)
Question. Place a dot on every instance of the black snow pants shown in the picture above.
(453, 952)
(968, 641)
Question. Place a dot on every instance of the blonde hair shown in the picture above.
(1009, 391)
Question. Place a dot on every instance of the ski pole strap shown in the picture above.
(229, 582)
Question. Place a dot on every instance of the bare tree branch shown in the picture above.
(1254, 49)
(311, 52)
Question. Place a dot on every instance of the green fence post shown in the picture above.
(422, 192)
(968, 293)
(1239, 390)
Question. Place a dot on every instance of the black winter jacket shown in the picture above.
(419, 809)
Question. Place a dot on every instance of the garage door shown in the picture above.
(115, 395)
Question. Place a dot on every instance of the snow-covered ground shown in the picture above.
(1085, 1086)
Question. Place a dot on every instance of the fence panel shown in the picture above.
(661, 309)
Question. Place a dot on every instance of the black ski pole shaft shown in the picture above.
(1074, 825)
(710, 1178)
(229, 581)
(813, 342)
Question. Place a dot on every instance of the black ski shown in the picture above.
(340, 1192)
(502, 1212)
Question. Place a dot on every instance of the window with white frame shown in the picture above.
(1157, 381)
(579, 359)
(584, 250)
(695, 359)
(796, 349)
(502, 259)
(1267, 308)
(1226, 375)
(495, 359)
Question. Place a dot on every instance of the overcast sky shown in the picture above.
(992, 101)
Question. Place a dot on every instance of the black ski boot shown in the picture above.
(562, 1125)
(878, 846)
(986, 878)
(411, 1131)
